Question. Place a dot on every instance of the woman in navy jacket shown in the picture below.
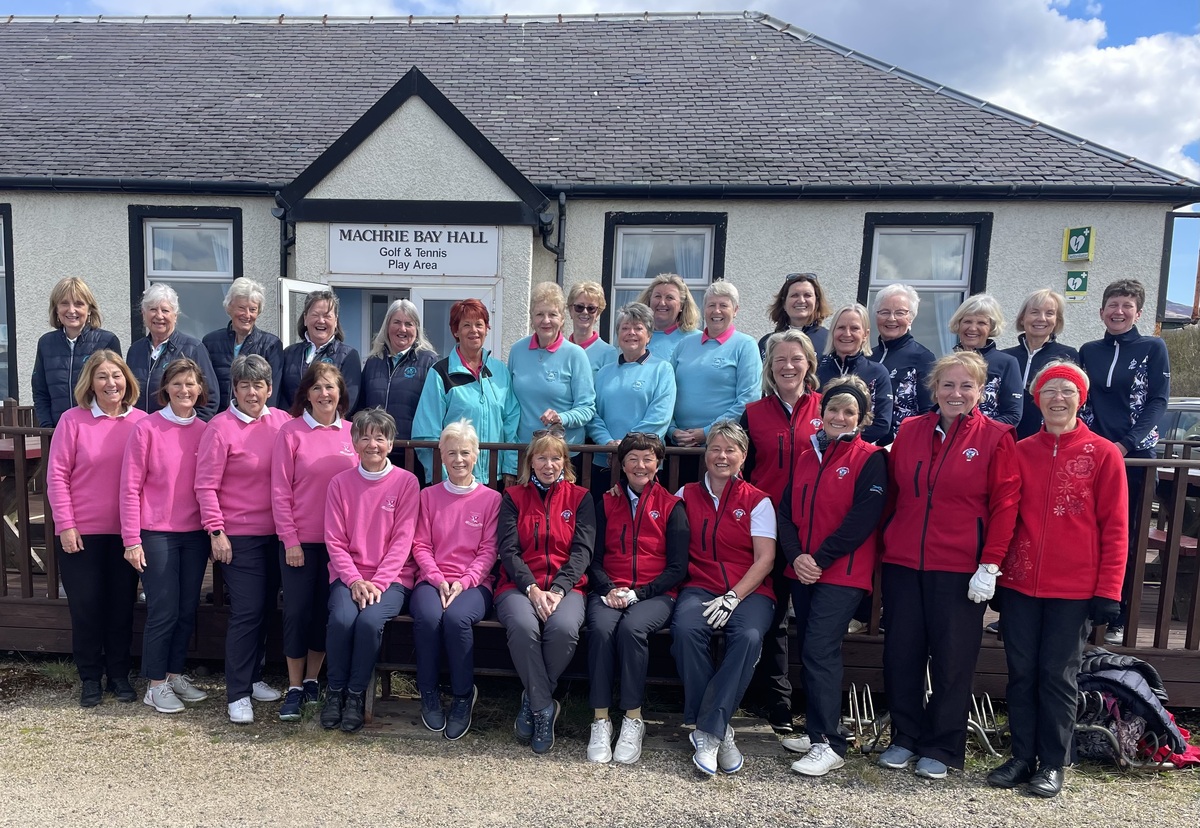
(906, 360)
(850, 354)
(800, 305)
(320, 340)
(163, 344)
(242, 337)
(975, 323)
(394, 373)
(61, 353)
(1039, 321)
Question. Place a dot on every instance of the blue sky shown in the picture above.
(1121, 73)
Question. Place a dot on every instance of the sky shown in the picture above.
(1121, 73)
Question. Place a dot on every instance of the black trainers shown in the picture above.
(461, 710)
(91, 694)
(312, 691)
(122, 689)
(780, 718)
(432, 714)
(543, 727)
(331, 712)
(353, 713)
(523, 726)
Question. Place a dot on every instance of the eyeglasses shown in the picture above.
(887, 314)
(588, 309)
(1064, 393)
(555, 430)
(792, 277)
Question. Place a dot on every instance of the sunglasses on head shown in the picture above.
(792, 277)
(553, 431)
(590, 309)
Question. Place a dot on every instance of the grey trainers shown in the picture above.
(896, 758)
(163, 699)
(184, 689)
(729, 758)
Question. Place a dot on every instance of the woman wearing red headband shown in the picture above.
(1064, 567)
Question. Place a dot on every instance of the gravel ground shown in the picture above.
(123, 764)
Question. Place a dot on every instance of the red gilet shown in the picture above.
(778, 440)
(722, 549)
(952, 500)
(636, 545)
(822, 495)
(1072, 525)
(545, 530)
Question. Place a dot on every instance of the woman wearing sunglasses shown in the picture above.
(641, 556)
(585, 303)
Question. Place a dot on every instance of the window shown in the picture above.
(197, 251)
(8, 334)
(942, 255)
(640, 246)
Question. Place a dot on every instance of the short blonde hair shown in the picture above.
(722, 288)
(72, 287)
(545, 443)
(732, 431)
(973, 362)
(980, 304)
(689, 314)
(835, 388)
(1045, 296)
(587, 288)
(810, 353)
(863, 317)
(547, 293)
(85, 395)
(459, 431)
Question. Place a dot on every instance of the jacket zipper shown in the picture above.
(931, 481)
(722, 501)
(1037, 573)
(1113, 365)
(624, 548)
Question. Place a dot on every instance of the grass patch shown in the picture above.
(59, 672)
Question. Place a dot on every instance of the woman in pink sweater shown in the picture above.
(85, 457)
(233, 485)
(370, 518)
(160, 523)
(309, 452)
(455, 551)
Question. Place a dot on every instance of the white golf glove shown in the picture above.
(718, 610)
(983, 583)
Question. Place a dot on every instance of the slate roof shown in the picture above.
(615, 100)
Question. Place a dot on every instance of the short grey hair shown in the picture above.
(636, 313)
(158, 293)
(248, 289)
(732, 431)
(373, 419)
(722, 288)
(422, 343)
(460, 431)
(250, 368)
(861, 311)
(896, 289)
(980, 304)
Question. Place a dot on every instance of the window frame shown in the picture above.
(10, 298)
(141, 218)
(617, 222)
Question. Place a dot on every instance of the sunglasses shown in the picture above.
(553, 431)
(793, 277)
(588, 309)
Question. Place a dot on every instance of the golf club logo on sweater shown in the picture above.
(347, 449)
(843, 471)
(474, 520)
(655, 514)
(389, 504)
(738, 514)
(970, 454)
(567, 514)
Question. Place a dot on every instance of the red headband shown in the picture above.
(1069, 373)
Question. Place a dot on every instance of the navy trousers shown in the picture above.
(620, 639)
(453, 629)
(252, 581)
(354, 635)
(305, 601)
(175, 566)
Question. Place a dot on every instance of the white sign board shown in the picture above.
(418, 249)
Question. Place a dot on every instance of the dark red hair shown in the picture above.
(468, 309)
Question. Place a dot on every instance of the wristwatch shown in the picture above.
(991, 569)
(557, 590)
(216, 533)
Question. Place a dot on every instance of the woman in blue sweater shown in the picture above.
(394, 373)
(77, 335)
(1039, 322)
(675, 313)
(850, 354)
(976, 322)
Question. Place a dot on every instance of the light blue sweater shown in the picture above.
(599, 354)
(662, 345)
(559, 379)
(715, 381)
(632, 396)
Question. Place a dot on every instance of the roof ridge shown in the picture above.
(806, 36)
(411, 19)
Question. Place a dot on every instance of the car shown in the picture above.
(1181, 421)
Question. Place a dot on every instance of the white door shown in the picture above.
(434, 303)
(292, 293)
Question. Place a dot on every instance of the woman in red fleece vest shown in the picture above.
(547, 529)
(952, 503)
(1065, 567)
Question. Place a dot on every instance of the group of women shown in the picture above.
(784, 506)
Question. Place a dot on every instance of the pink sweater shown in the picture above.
(157, 476)
(86, 453)
(233, 473)
(303, 462)
(456, 536)
(369, 527)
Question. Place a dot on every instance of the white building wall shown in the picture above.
(768, 239)
(87, 235)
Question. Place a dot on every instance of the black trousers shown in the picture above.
(1135, 477)
(101, 590)
(1043, 644)
(252, 581)
(619, 643)
(823, 612)
(930, 620)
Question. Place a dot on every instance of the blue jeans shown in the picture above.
(175, 566)
(353, 636)
(252, 586)
(453, 627)
(711, 694)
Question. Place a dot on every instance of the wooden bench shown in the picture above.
(1185, 571)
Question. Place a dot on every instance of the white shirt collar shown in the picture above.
(246, 418)
(312, 422)
(379, 475)
(461, 490)
(98, 412)
(171, 417)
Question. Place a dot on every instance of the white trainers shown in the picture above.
(729, 758)
(818, 761)
(600, 743)
(797, 744)
(629, 743)
(262, 692)
(184, 689)
(705, 757)
(163, 699)
(241, 712)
